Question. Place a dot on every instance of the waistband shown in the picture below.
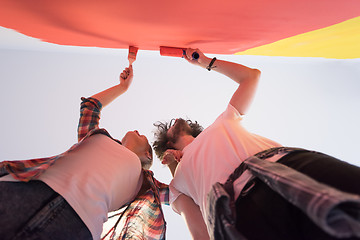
(263, 155)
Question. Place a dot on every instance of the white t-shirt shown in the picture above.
(213, 156)
(99, 176)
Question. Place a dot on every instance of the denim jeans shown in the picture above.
(33, 210)
(264, 214)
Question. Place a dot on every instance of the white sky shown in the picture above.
(304, 102)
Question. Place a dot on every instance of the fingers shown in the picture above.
(167, 158)
(194, 56)
(171, 155)
(127, 72)
(177, 154)
(188, 54)
(165, 161)
(123, 75)
(129, 69)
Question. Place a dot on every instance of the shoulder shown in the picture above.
(230, 113)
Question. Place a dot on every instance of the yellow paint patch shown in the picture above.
(341, 41)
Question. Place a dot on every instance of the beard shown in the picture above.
(181, 127)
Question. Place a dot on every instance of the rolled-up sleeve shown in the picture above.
(90, 110)
(163, 192)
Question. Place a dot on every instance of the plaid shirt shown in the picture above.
(334, 211)
(144, 216)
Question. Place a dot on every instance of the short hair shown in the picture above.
(160, 144)
(146, 163)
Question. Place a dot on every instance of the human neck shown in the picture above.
(183, 141)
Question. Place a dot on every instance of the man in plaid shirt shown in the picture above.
(68, 196)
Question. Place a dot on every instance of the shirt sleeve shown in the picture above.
(90, 110)
(174, 194)
(232, 113)
(163, 192)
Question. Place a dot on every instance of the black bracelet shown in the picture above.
(211, 63)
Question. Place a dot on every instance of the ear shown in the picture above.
(148, 155)
(146, 160)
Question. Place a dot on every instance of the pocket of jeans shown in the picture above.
(43, 217)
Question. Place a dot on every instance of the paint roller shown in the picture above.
(132, 54)
(176, 52)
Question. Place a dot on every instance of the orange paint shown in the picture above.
(224, 27)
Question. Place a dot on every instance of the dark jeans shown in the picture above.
(33, 210)
(264, 214)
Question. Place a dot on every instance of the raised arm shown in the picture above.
(107, 96)
(91, 107)
(246, 77)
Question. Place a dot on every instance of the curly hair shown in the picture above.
(160, 144)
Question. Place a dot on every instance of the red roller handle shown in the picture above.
(175, 52)
(172, 51)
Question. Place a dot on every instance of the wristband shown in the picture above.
(211, 63)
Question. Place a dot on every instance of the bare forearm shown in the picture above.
(237, 72)
(172, 167)
(246, 77)
(110, 94)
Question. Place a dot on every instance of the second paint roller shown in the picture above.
(176, 52)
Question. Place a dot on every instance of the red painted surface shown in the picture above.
(226, 26)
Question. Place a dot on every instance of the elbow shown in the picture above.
(200, 236)
(254, 76)
(256, 73)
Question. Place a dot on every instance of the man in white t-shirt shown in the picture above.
(69, 196)
(211, 155)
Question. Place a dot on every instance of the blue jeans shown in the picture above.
(33, 210)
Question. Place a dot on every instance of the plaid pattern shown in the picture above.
(334, 211)
(145, 219)
(90, 110)
(27, 170)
